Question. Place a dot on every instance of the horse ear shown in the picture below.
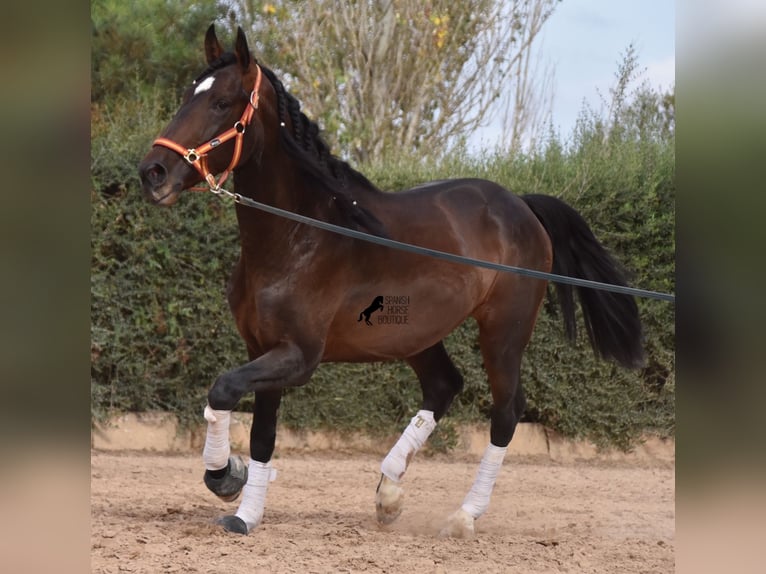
(241, 49)
(213, 49)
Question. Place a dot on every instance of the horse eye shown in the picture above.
(222, 105)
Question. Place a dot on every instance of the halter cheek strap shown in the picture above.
(197, 157)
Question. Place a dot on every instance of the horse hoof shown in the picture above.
(228, 487)
(232, 523)
(459, 525)
(389, 500)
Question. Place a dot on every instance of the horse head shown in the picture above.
(219, 126)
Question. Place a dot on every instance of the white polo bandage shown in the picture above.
(259, 475)
(413, 437)
(477, 500)
(216, 452)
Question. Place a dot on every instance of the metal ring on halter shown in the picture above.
(191, 156)
(214, 187)
(239, 127)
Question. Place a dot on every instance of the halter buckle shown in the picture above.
(211, 183)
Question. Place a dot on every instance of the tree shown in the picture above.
(147, 43)
(642, 113)
(405, 76)
(529, 97)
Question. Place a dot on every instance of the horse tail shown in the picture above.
(611, 319)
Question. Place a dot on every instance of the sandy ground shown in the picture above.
(152, 513)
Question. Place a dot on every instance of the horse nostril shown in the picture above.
(154, 174)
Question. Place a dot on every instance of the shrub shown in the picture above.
(162, 330)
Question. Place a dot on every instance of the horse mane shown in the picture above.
(304, 143)
(330, 174)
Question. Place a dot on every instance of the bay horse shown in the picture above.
(238, 118)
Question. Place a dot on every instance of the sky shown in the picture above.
(584, 41)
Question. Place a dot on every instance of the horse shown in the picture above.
(238, 118)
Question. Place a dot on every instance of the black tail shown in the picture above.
(611, 319)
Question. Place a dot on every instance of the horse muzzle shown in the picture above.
(157, 186)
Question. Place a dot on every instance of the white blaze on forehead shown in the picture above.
(204, 85)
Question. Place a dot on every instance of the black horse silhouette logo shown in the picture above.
(376, 305)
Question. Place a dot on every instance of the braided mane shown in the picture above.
(307, 141)
(327, 173)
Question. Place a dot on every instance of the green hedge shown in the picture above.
(162, 333)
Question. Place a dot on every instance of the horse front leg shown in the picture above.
(284, 366)
(263, 434)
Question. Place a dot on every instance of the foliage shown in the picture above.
(160, 331)
(143, 54)
(155, 44)
(122, 129)
(396, 75)
(379, 76)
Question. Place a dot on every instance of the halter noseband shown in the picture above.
(197, 157)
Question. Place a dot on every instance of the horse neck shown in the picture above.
(275, 181)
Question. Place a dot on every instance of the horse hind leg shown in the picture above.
(440, 381)
(461, 523)
(504, 331)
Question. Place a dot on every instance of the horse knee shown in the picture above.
(221, 396)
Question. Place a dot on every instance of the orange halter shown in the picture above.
(197, 157)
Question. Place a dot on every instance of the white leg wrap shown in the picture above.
(476, 501)
(413, 437)
(216, 452)
(250, 510)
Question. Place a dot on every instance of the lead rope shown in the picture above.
(409, 248)
(198, 159)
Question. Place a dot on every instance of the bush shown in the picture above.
(162, 333)
(153, 44)
(160, 330)
(122, 131)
